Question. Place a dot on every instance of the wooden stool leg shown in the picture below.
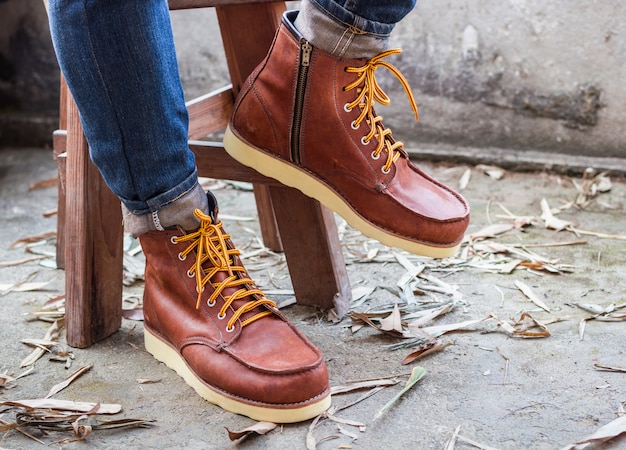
(312, 248)
(59, 144)
(93, 245)
(243, 52)
(267, 218)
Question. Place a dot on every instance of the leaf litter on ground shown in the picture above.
(418, 287)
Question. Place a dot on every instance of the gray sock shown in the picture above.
(333, 37)
(178, 213)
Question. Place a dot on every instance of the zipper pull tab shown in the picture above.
(305, 57)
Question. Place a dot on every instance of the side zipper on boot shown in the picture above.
(305, 61)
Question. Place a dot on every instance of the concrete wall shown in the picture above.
(29, 75)
(493, 78)
(531, 75)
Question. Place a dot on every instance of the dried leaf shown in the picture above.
(65, 405)
(475, 444)
(604, 433)
(68, 380)
(52, 335)
(133, 314)
(452, 441)
(552, 222)
(434, 348)
(428, 316)
(13, 426)
(416, 375)
(581, 328)
(530, 294)
(342, 389)
(465, 178)
(360, 294)
(620, 237)
(356, 316)
(490, 231)
(350, 434)
(259, 428)
(50, 182)
(311, 443)
(361, 425)
(522, 326)
(31, 239)
(147, 380)
(122, 423)
(20, 262)
(438, 330)
(411, 268)
(393, 322)
(23, 287)
(609, 368)
(492, 171)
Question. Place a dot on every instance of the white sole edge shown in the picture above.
(166, 354)
(299, 179)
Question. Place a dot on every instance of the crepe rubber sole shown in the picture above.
(292, 176)
(165, 353)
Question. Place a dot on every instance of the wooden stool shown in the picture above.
(89, 244)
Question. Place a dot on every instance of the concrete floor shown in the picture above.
(499, 391)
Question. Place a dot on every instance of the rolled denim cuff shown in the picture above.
(178, 212)
(341, 32)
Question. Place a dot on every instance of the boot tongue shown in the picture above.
(213, 207)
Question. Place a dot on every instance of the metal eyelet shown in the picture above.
(385, 171)
(210, 303)
(173, 240)
(364, 142)
(189, 274)
(375, 156)
(181, 257)
(347, 108)
(221, 316)
(197, 288)
(355, 126)
(230, 329)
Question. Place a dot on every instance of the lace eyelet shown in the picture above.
(173, 240)
(197, 288)
(221, 316)
(347, 108)
(210, 303)
(189, 274)
(375, 156)
(181, 257)
(385, 171)
(355, 126)
(364, 142)
(230, 329)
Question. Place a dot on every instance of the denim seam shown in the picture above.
(353, 27)
(155, 207)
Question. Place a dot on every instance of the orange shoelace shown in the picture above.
(369, 92)
(209, 243)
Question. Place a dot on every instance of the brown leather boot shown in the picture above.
(307, 119)
(205, 318)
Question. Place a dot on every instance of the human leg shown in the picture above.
(204, 316)
(326, 139)
(351, 28)
(119, 62)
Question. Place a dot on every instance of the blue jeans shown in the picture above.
(120, 64)
(374, 17)
(119, 61)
